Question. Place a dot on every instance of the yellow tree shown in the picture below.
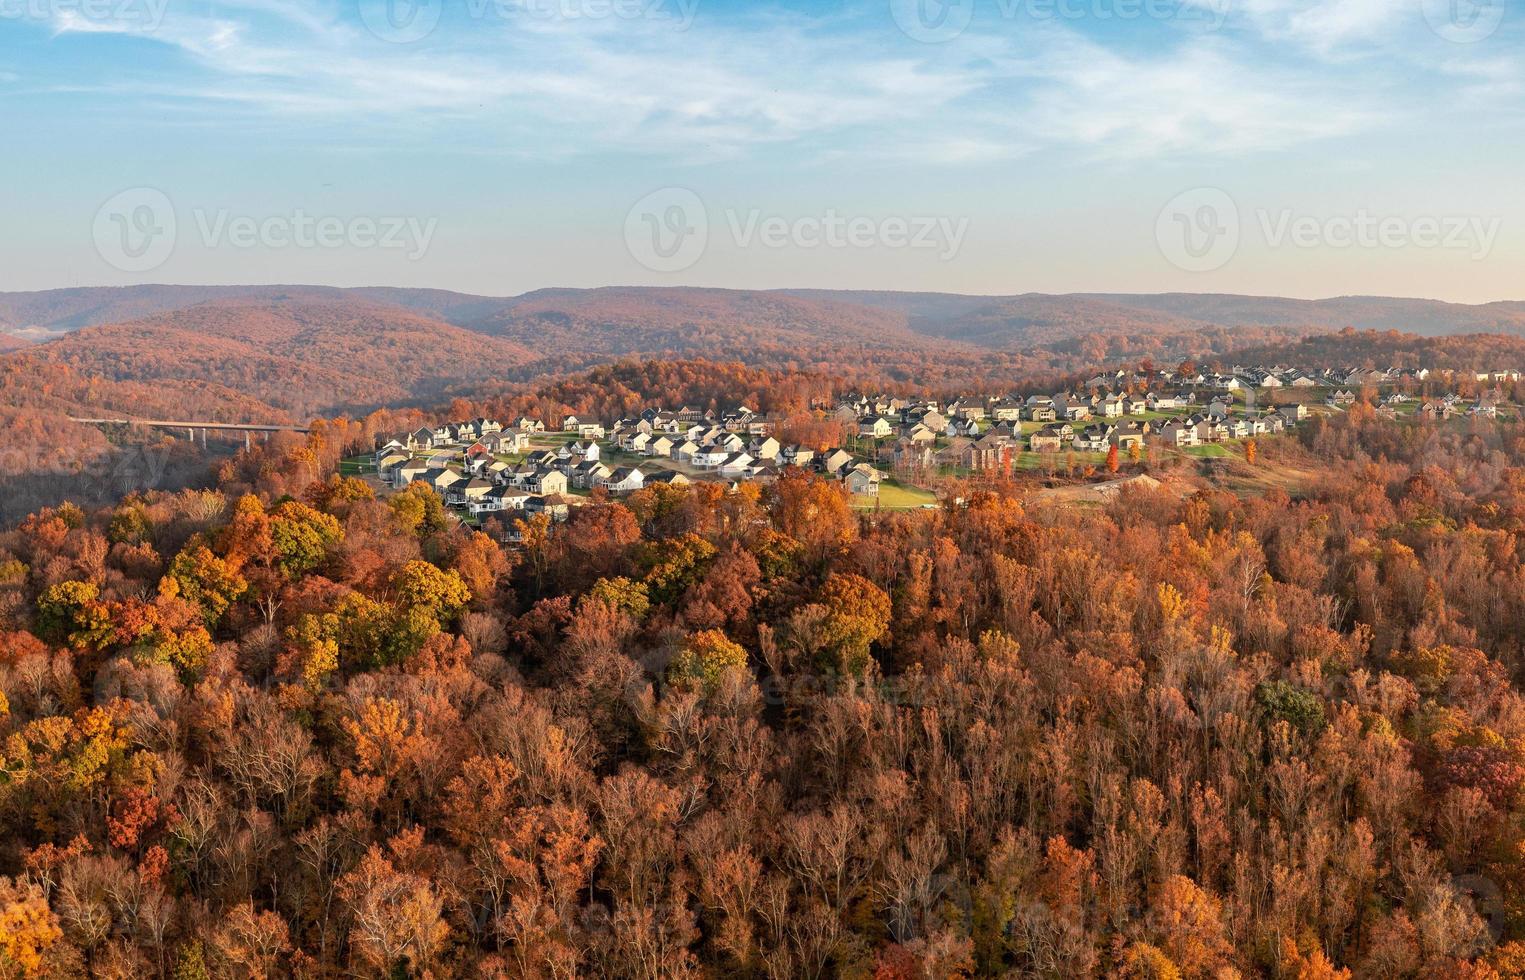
(28, 928)
(706, 658)
(857, 614)
(421, 585)
(200, 577)
(302, 537)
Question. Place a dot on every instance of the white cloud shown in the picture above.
(831, 88)
(1324, 26)
(1199, 100)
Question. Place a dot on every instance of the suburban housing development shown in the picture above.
(482, 466)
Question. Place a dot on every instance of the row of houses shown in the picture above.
(706, 447)
(924, 423)
(1453, 406)
(477, 480)
(998, 447)
(686, 421)
(1240, 376)
(1119, 393)
(463, 463)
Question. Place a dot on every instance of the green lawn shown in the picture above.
(1030, 460)
(551, 440)
(356, 465)
(894, 495)
(1211, 450)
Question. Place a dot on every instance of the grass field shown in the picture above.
(1211, 450)
(356, 465)
(896, 496)
(1040, 461)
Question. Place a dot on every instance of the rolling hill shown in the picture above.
(599, 323)
(289, 352)
(300, 357)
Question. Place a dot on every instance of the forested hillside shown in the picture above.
(301, 357)
(287, 728)
(629, 320)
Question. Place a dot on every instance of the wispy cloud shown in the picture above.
(834, 86)
(1488, 82)
(1327, 26)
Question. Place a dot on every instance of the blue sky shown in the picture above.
(992, 146)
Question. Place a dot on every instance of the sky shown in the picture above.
(1278, 147)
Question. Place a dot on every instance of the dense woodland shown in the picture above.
(283, 727)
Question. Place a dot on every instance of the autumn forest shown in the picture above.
(283, 726)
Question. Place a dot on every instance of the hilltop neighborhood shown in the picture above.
(482, 466)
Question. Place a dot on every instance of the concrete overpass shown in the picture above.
(190, 428)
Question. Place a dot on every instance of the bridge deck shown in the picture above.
(214, 426)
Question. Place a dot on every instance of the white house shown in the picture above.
(626, 479)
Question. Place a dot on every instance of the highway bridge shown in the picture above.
(249, 429)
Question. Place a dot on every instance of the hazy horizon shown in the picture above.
(780, 289)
